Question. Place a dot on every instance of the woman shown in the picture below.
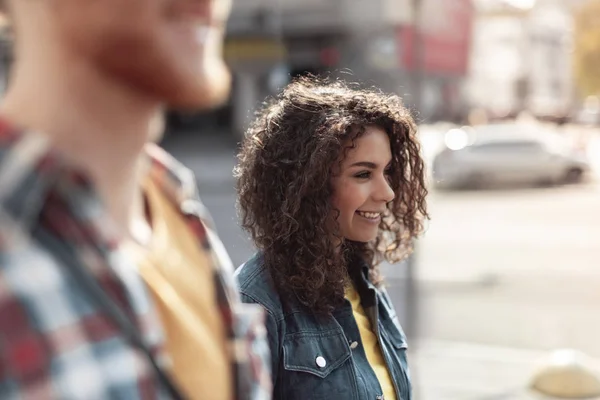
(330, 182)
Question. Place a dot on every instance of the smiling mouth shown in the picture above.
(373, 216)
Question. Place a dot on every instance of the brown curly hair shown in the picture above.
(283, 181)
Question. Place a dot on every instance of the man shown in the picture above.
(112, 283)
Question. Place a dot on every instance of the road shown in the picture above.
(513, 268)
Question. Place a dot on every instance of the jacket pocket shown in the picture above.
(317, 353)
(316, 365)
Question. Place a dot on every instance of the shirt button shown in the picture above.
(353, 345)
(321, 363)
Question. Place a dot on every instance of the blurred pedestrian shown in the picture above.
(113, 283)
(330, 182)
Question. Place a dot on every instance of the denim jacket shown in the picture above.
(322, 357)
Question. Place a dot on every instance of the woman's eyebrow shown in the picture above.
(367, 164)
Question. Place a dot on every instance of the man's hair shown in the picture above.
(286, 162)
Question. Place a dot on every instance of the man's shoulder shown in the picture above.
(46, 315)
(31, 278)
(256, 284)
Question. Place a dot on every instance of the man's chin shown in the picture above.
(209, 91)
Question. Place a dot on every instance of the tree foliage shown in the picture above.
(587, 48)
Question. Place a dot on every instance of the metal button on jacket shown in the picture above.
(321, 363)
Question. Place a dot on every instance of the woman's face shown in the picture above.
(361, 189)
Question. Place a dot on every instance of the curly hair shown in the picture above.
(286, 162)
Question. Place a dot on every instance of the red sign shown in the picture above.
(446, 37)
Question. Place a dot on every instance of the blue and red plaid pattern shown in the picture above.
(54, 341)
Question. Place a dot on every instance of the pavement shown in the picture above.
(504, 277)
(439, 370)
(443, 370)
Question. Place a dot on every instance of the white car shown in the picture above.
(506, 154)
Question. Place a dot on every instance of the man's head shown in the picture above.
(165, 49)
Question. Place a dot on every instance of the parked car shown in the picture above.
(507, 154)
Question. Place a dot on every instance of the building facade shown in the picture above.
(270, 42)
(521, 59)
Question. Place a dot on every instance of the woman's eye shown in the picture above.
(363, 175)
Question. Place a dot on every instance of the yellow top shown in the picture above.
(371, 345)
(180, 279)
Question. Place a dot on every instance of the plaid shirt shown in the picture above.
(55, 342)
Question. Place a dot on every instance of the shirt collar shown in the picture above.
(177, 182)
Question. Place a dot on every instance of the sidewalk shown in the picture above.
(444, 370)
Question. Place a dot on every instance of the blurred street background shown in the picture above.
(505, 93)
